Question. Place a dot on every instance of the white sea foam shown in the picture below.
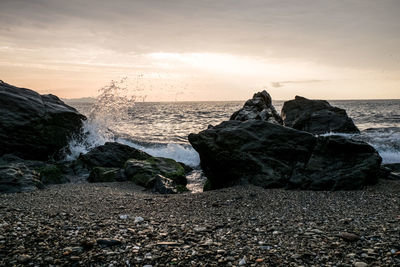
(182, 153)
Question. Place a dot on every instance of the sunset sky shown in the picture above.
(203, 50)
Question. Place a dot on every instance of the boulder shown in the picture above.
(111, 154)
(103, 174)
(316, 116)
(34, 126)
(258, 108)
(49, 173)
(269, 155)
(142, 172)
(338, 163)
(16, 177)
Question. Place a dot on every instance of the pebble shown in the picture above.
(23, 258)
(360, 264)
(109, 242)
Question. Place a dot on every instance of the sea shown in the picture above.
(161, 128)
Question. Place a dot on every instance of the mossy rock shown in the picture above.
(143, 171)
(103, 174)
(51, 174)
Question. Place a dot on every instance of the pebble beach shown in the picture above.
(119, 224)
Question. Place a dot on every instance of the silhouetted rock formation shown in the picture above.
(258, 108)
(34, 126)
(316, 116)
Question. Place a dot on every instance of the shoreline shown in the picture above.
(62, 225)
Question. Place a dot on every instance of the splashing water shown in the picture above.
(110, 119)
(105, 118)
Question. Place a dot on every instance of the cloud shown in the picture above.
(282, 83)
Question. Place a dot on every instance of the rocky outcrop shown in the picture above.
(16, 177)
(316, 116)
(258, 108)
(111, 154)
(269, 155)
(34, 126)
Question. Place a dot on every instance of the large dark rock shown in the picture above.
(258, 108)
(316, 116)
(34, 126)
(270, 155)
(16, 177)
(338, 163)
(111, 154)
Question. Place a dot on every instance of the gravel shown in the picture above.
(98, 225)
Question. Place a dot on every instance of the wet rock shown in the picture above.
(16, 177)
(316, 116)
(269, 155)
(111, 154)
(34, 126)
(143, 172)
(103, 174)
(258, 108)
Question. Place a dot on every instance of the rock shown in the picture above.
(360, 264)
(109, 242)
(51, 174)
(269, 155)
(394, 167)
(16, 177)
(163, 185)
(48, 173)
(143, 172)
(316, 116)
(338, 163)
(34, 126)
(111, 154)
(24, 258)
(258, 108)
(103, 174)
(349, 237)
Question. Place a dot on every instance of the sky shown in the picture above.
(184, 50)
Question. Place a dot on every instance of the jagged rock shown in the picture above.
(258, 108)
(111, 154)
(142, 172)
(16, 177)
(270, 155)
(316, 116)
(34, 126)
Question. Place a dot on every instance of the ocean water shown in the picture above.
(161, 129)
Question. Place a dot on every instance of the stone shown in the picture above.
(316, 116)
(258, 108)
(109, 242)
(34, 126)
(24, 258)
(16, 177)
(270, 155)
(163, 185)
(111, 154)
(143, 172)
(103, 174)
(349, 237)
(360, 264)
